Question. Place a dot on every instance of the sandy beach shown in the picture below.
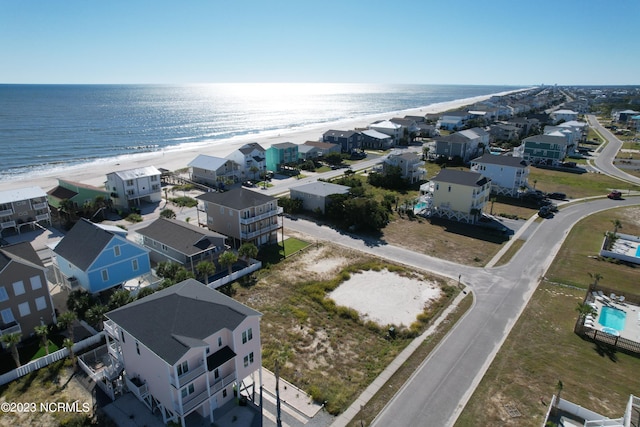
(95, 174)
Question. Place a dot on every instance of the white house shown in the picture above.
(508, 174)
(564, 115)
(410, 164)
(185, 349)
(132, 186)
(251, 158)
(388, 127)
(453, 120)
(315, 195)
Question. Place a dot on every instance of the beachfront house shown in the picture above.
(453, 120)
(280, 155)
(410, 164)
(315, 196)
(508, 175)
(459, 195)
(376, 140)
(348, 140)
(79, 195)
(210, 170)
(503, 132)
(243, 215)
(23, 206)
(394, 130)
(187, 349)
(132, 187)
(182, 243)
(544, 149)
(95, 258)
(25, 301)
(316, 149)
(252, 160)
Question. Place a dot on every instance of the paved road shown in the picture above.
(604, 161)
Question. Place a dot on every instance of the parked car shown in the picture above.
(557, 196)
(248, 184)
(545, 212)
(615, 195)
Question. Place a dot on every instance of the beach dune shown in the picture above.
(95, 173)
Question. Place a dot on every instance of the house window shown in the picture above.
(18, 288)
(449, 189)
(219, 341)
(3, 294)
(224, 392)
(155, 187)
(116, 250)
(36, 282)
(7, 316)
(24, 309)
(164, 247)
(41, 303)
(134, 264)
(188, 390)
(122, 336)
(247, 335)
(216, 373)
(248, 359)
(183, 368)
(105, 275)
(129, 182)
(154, 178)
(137, 347)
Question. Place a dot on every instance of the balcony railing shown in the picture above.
(194, 402)
(43, 217)
(189, 376)
(265, 215)
(142, 193)
(220, 383)
(7, 224)
(10, 328)
(252, 234)
(111, 328)
(39, 206)
(6, 212)
(136, 387)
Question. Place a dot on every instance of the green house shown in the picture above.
(77, 192)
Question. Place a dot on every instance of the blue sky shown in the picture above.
(565, 42)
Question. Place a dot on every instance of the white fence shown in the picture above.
(34, 365)
(257, 265)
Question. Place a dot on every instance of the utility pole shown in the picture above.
(278, 420)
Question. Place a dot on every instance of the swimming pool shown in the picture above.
(612, 318)
(419, 206)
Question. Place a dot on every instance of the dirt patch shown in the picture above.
(386, 297)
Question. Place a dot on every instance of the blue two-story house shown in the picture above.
(96, 258)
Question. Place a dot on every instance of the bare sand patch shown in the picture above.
(385, 297)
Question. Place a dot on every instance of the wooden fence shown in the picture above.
(34, 365)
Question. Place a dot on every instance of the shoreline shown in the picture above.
(94, 173)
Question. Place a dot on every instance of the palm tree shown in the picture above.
(253, 169)
(119, 298)
(65, 320)
(167, 213)
(12, 341)
(227, 259)
(205, 269)
(246, 251)
(68, 344)
(596, 278)
(616, 226)
(95, 315)
(43, 331)
(584, 310)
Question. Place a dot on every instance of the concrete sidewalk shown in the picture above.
(348, 415)
(293, 400)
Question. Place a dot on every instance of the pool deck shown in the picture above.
(631, 329)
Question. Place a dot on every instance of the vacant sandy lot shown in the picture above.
(385, 297)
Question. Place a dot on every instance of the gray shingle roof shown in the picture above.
(516, 162)
(173, 320)
(83, 243)
(183, 237)
(238, 198)
(455, 176)
(22, 253)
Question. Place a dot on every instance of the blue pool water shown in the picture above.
(612, 318)
(638, 252)
(419, 206)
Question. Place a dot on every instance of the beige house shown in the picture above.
(316, 195)
(459, 195)
(242, 215)
(211, 170)
(410, 164)
(187, 349)
(23, 206)
(132, 187)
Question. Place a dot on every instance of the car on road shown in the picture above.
(615, 195)
(545, 212)
(249, 184)
(557, 196)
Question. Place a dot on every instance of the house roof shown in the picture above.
(320, 144)
(548, 139)
(22, 253)
(321, 188)
(248, 148)
(385, 124)
(181, 236)
(171, 321)
(61, 193)
(83, 243)
(371, 133)
(455, 176)
(19, 194)
(455, 114)
(456, 137)
(238, 198)
(492, 159)
(340, 133)
(202, 161)
(283, 145)
(136, 173)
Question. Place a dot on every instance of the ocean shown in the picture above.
(46, 128)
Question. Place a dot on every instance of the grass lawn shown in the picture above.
(576, 185)
(542, 348)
